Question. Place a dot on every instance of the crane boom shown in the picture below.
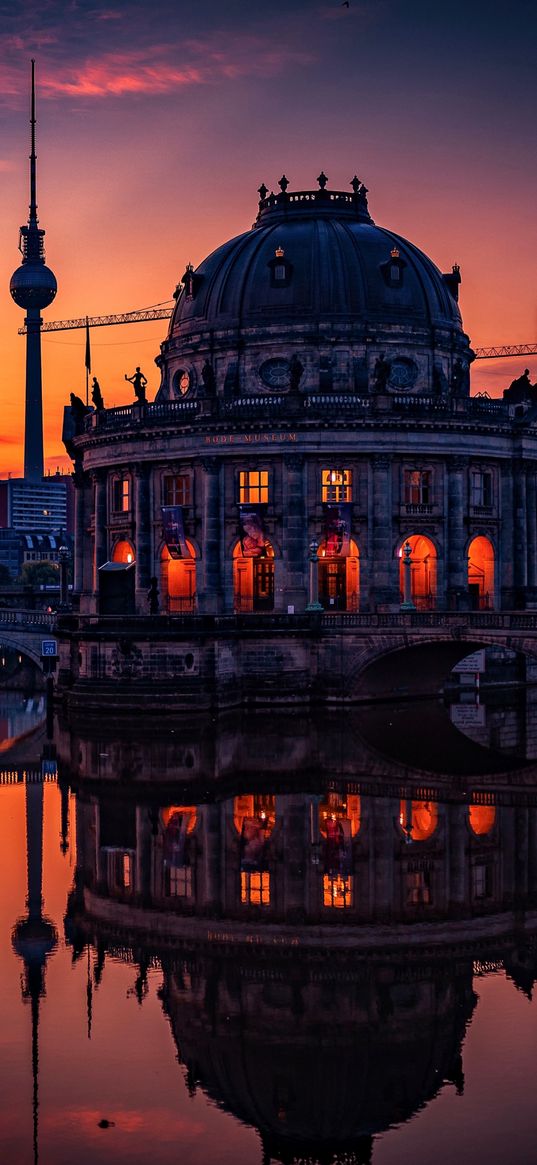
(126, 317)
(163, 313)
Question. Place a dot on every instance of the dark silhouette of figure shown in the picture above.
(296, 372)
(78, 412)
(96, 395)
(152, 597)
(439, 381)
(458, 378)
(138, 382)
(208, 378)
(521, 390)
(381, 373)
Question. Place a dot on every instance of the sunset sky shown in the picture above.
(157, 123)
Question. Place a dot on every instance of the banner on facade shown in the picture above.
(173, 531)
(338, 847)
(338, 530)
(253, 538)
(253, 839)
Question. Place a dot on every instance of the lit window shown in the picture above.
(253, 486)
(126, 871)
(177, 490)
(255, 888)
(179, 882)
(336, 485)
(418, 888)
(481, 487)
(121, 495)
(337, 891)
(417, 487)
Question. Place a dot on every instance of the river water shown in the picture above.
(270, 939)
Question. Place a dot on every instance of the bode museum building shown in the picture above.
(313, 446)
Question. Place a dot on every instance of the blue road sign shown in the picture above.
(49, 648)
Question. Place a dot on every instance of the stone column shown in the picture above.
(211, 831)
(82, 484)
(384, 836)
(294, 534)
(520, 533)
(457, 562)
(507, 550)
(531, 510)
(210, 592)
(458, 856)
(100, 536)
(143, 536)
(384, 567)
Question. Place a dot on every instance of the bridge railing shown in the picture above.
(28, 620)
(275, 620)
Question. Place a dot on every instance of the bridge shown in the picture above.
(24, 631)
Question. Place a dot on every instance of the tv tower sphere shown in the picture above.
(33, 285)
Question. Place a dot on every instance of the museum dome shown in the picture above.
(315, 279)
(316, 254)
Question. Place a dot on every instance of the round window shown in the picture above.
(181, 382)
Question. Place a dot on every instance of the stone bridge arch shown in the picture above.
(26, 643)
(411, 665)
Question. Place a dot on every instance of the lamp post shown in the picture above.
(314, 604)
(407, 604)
(64, 557)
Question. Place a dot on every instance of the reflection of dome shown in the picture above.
(316, 1057)
(33, 285)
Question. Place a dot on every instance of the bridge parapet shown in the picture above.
(33, 620)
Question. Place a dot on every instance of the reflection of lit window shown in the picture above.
(337, 891)
(126, 871)
(255, 888)
(481, 881)
(253, 486)
(179, 882)
(418, 888)
(336, 485)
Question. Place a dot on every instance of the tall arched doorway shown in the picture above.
(339, 579)
(253, 580)
(178, 581)
(423, 564)
(481, 573)
(123, 552)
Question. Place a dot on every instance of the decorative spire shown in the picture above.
(356, 183)
(262, 191)
(33, 155)
(322, 179)
(283, 183)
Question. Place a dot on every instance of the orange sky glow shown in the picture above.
(153, 136)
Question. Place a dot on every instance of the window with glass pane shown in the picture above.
(337, 891)
(253, 486)
(481, 881)
(336, 485)
(418, 888)
(255, 888)
(121, 495)
(417, 487)
(177, 489)
(179, 882)
(481, 487)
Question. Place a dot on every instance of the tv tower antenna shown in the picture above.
(33, 287)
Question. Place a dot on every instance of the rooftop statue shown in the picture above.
(96, 395)
(208, 378)
(381, 373)
(296, 372)
(521, 389)
(78, 412)
(139, 381)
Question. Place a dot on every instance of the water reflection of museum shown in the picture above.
(307, 858)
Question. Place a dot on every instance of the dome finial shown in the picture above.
(322, 179)
(283, 183)
(262, 191)
(356, 183)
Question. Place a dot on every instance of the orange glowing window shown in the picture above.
(255, 888)
(418, 819)
(123, 552)
(262, 806)
(121, 495)
(482, 818)
(336, 485)
(188, 811)
(339, 807)
(253, 486)
(417, 487)
(337, 891)
(179, 882)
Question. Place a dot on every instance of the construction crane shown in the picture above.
(163, 311)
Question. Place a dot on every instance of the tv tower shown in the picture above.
(33, 287)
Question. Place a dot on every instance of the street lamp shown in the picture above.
(64, 558)
(407, 604)
(314, 604)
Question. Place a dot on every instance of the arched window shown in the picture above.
(339, 579)
(423, 564)
(253, 580)
(482, 819)
(178, 581)
(481, 572)
(418, 819)
(123, 552)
